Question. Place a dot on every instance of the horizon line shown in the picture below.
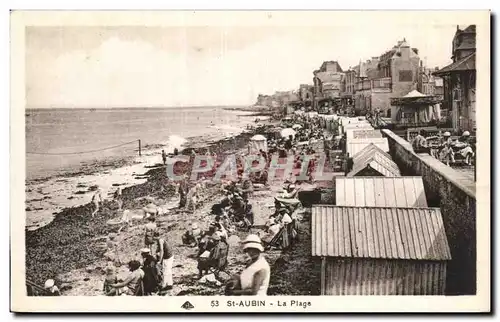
(131, 107)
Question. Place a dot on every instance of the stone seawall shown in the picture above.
(455, 194)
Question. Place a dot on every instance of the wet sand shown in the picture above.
(49, 196)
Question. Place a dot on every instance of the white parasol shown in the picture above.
(258, 137)
(296, 126)
(287, 132)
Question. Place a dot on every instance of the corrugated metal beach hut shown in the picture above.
(380, 192)
(372, 161)
(380, 250)
(363, 133)
(353, 146)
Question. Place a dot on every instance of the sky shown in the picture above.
(200, 66)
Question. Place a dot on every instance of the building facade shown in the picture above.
(459, 80)
(429, 84)
(306, 92)
(392, 74)
(328, 81)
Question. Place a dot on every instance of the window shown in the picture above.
(405, 76)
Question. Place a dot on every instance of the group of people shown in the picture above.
(443, 148)
(151, 272)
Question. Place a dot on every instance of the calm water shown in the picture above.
(74, 130)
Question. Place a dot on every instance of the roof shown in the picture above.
(374, 157)
(471, 28)
(414, 93)
(354, 146)
(334, 62)
(380, 191)
(258, 137)
(362, 133)
(465, 64)
(415, 100)
(384, 233)
(329, 77)
(369, 150)
(386, 167)
(467, 43)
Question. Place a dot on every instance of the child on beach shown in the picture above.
(112, 252)
(150, 230)
(190, 237)
(110, 279)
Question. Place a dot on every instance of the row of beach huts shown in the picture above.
(379, 237)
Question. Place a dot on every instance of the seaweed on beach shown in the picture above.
(71, 241)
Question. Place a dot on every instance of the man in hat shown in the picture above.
(446, 152)
(152, 277)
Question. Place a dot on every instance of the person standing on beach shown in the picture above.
(97, 199)
(151, 274)
(165, 256)
(183, 190)
(164, 157)
(289, 143)
(118, 198)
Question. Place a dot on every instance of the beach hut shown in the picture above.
(257, 142)
(363, 134)
(380, 250)
(353, 146)
(380, 192)
(372, 162)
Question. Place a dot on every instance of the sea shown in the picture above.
(57, 140)
(64, 145)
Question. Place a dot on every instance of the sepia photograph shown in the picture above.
(285, 157)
